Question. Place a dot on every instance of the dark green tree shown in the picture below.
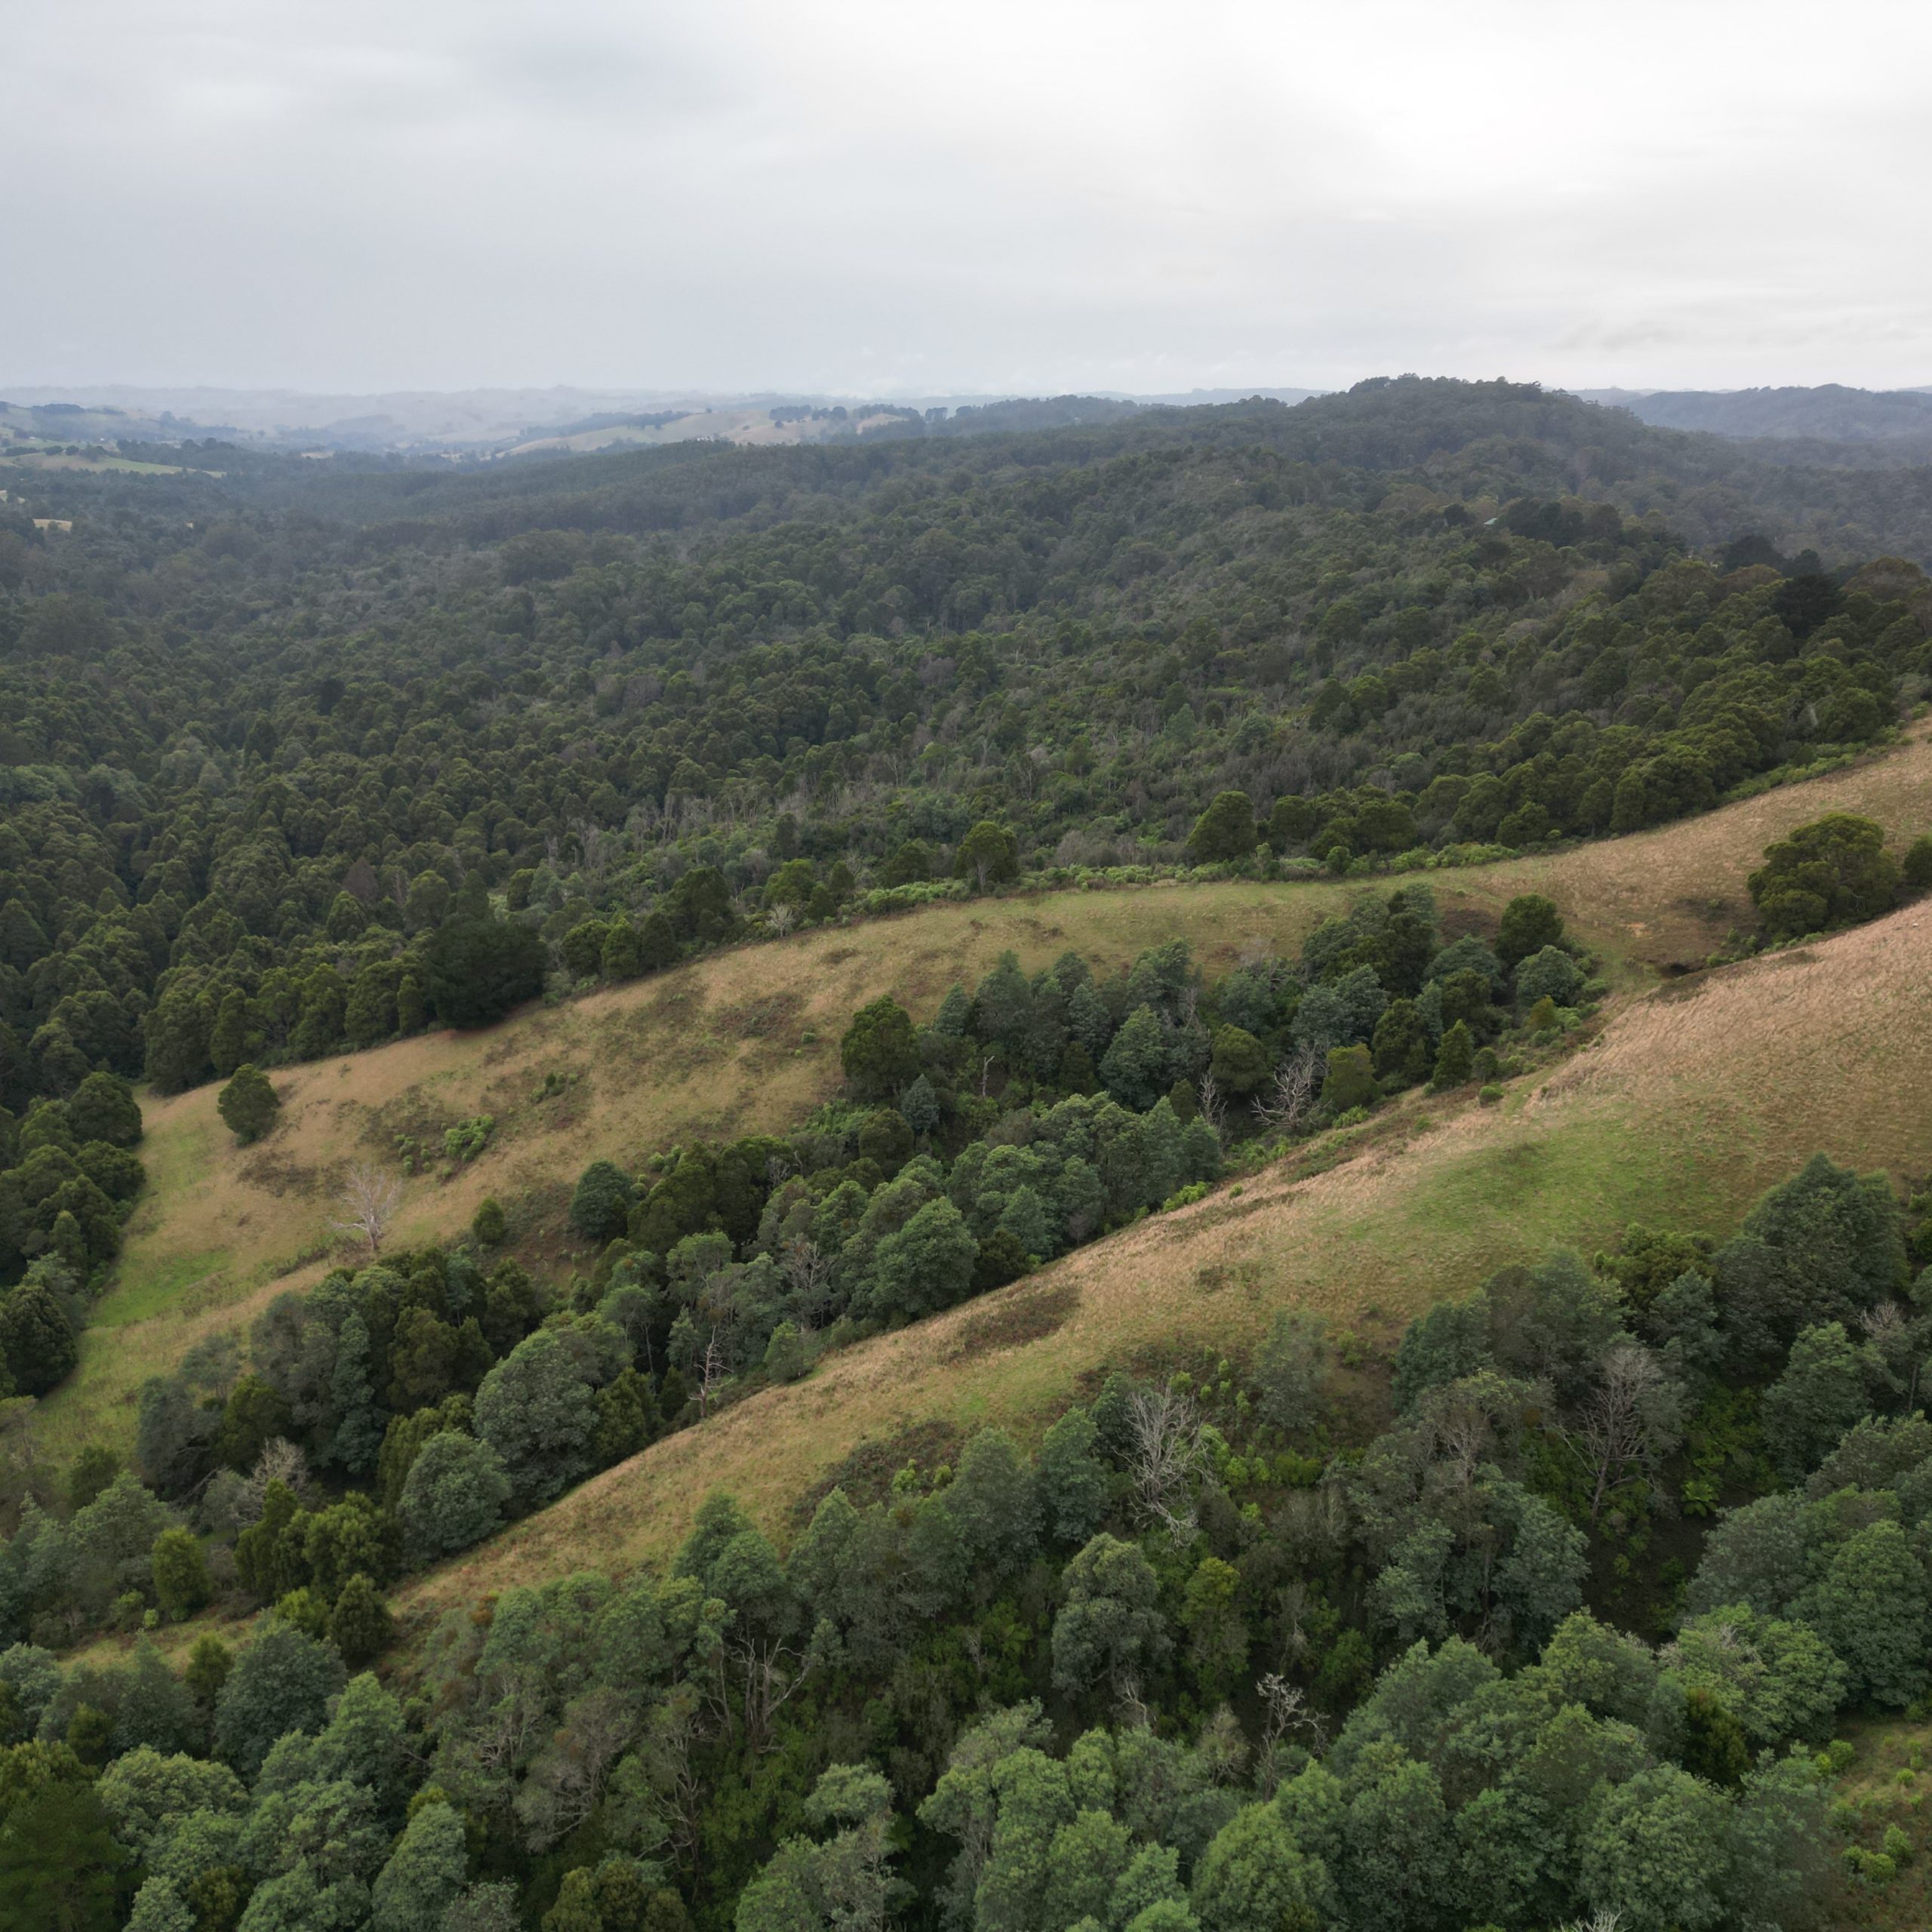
(103, 1107)
(1455, 1059)
(282, 1682)
(880, 1052)
(1350, 1080)
(60, 1869)
(36, 1339)
(1240, 1063)
(249, 1104)
(360, 1626)
(988, 856)
(474, 969)
(1833, 873)
(1226, 830)
(1530, 923)
(602, 1204)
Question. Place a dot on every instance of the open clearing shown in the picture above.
(748, 1040)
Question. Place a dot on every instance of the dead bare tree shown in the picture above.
(1626, 1424)
(1297, 1086)
(280, 1461)
(712, 1373)
(1164, 1455)
(808, 1273)
(369, 1200)
(1214, 1106)
(1285, 1717)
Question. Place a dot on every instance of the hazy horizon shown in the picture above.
(856, 200)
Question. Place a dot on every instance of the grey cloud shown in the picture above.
(852, 195)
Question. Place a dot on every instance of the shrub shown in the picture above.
(489, 1225)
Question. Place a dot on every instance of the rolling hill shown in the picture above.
(746, 1041)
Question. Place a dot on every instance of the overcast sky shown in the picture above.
(919, 197)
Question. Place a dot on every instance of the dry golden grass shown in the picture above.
(1693, 1101)
(743, 1041)
(747, 1040)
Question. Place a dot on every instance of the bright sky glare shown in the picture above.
(870, 198)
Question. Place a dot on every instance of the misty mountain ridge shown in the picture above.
(1831, 412)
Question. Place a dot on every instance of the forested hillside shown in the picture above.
(268, 734)
(1262, 1609)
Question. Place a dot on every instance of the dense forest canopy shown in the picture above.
(264, 729)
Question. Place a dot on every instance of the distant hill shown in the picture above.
(1831, 412)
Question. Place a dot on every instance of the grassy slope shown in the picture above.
(748, 1040)
(1695, 1099)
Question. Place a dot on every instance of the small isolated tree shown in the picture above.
(369, 1201)
(488, 1224)
(1226, 830)
(180, 1573)
(249, 1104)
(988, 855)
(1834, 872)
